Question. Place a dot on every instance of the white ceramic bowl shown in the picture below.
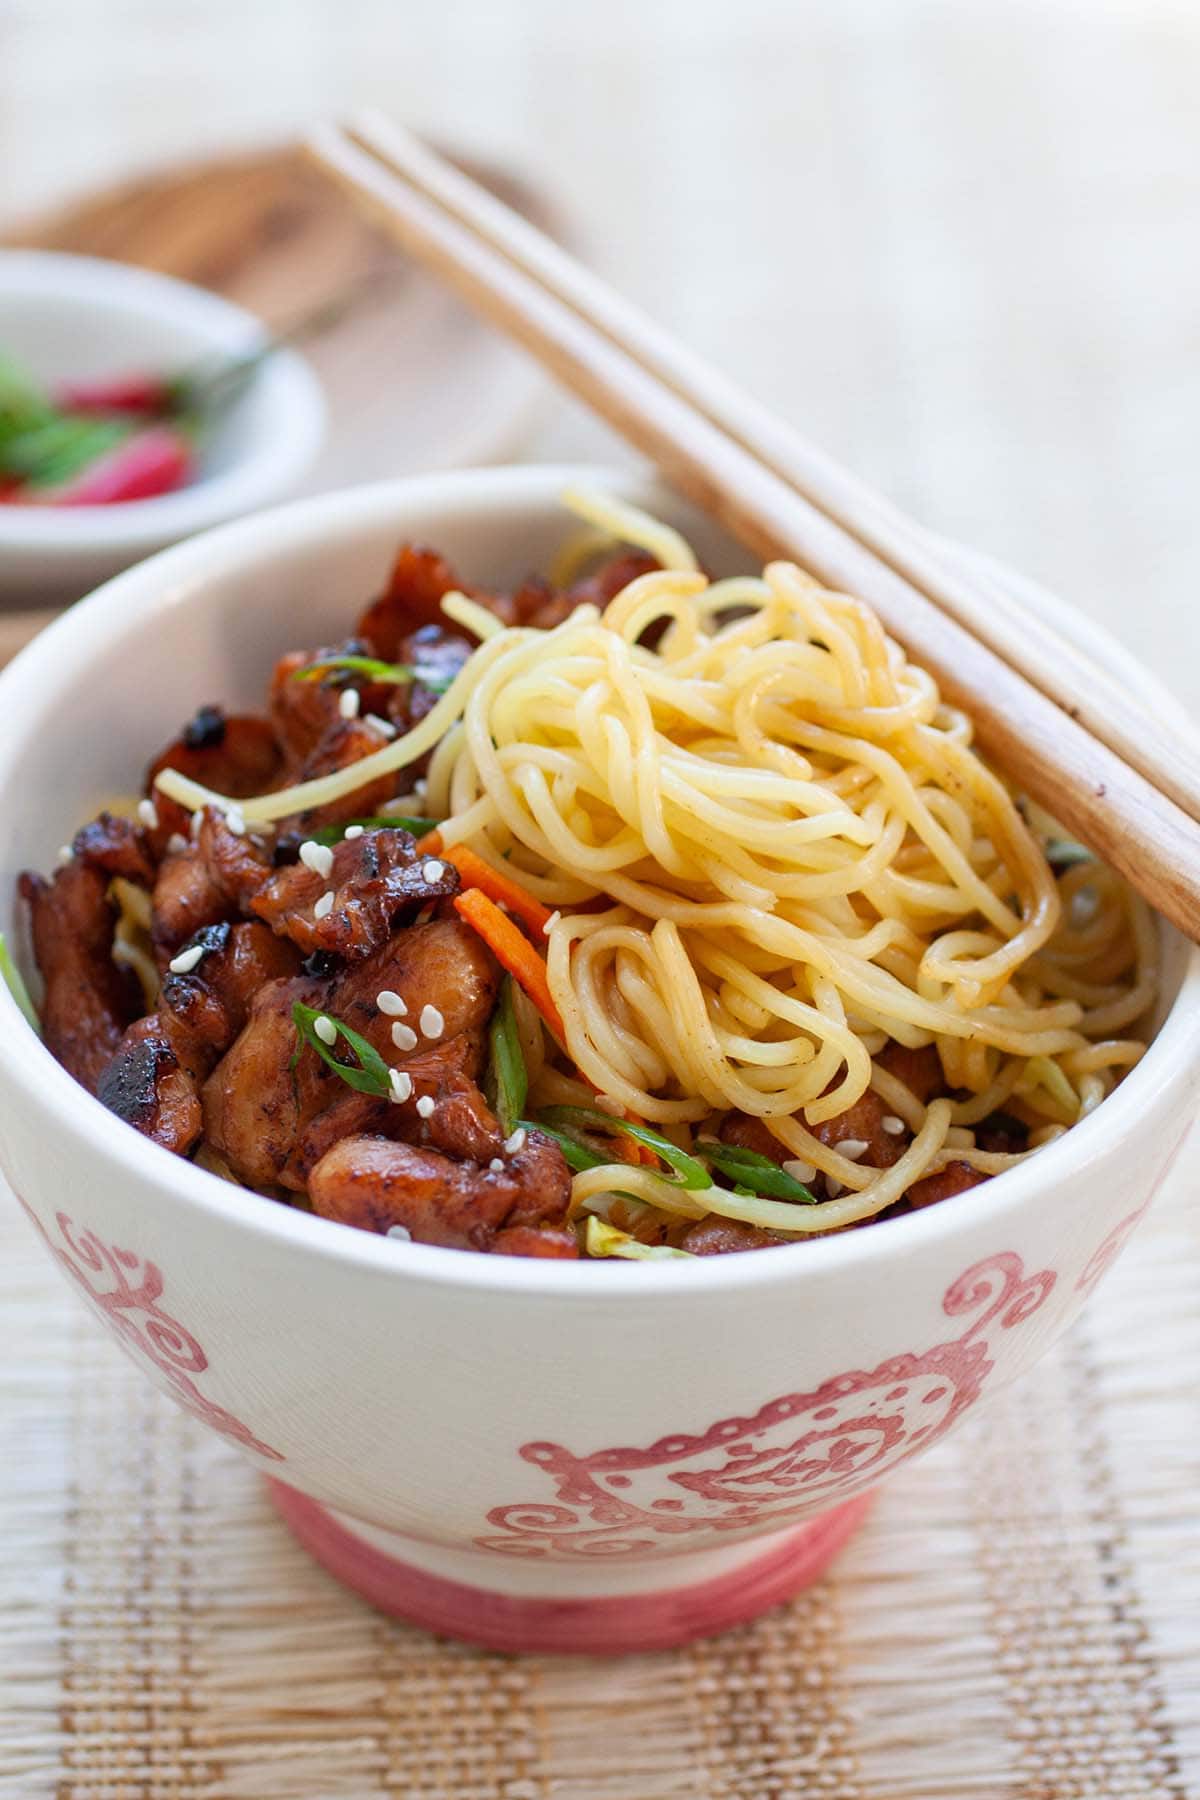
(531, 1454)
(70, 318)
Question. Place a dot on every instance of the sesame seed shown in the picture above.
(433, 870)
(353, 831)
(516, 1141)
(384, 725)
(551, 922)
(197, 821)
(235, 821)
(176, 844)
(401, 1233)
(832, 1188)
(892, 1125)
(65, 855)
(348, 703)
(325, 1029)
(420, 787)
(403, 1036)
(147, 812)
(401, 1085)
(800, 1171)
(425, 1106)
(186, 961)
(431, 1022)
(391, 1003)
(496, 1165)
(324, 905)
(851, 1148)
(317, 857)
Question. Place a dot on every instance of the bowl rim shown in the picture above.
(292, 399)
(174, 577)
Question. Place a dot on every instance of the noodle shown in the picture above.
(771, 850)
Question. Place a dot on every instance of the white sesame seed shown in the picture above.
(317, 857)
(147, 812)
(384, 725)
(516, 1141)
(176, 844)
(851, 1148)
(431, 1022)
(496, 1165)
(65, 855)
(390, 1002)
(551, 922)
(433, 870)
(401, 1233)
(325, 1029)
(324, 905)
(832, 1188)
(401, 1085)
(892, 1125)
(425, 1106)
(403, 1036)
(799, 1170)
(420, 787)
(235, 821)
(186, 961)
(349, 702)
(353, 831)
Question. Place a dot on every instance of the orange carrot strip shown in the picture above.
(499, 887)
(431, 843)
(512, 951)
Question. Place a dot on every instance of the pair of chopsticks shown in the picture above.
(1067, 732)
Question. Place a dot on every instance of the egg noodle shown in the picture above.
(771, 849)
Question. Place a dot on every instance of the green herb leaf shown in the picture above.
(370, 1076)
(333, 834)
(577, 1154)
(688, 1172)
(756, 1174)
(390, 674)
(510, 1077)
(16, 985)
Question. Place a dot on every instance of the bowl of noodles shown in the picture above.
(589, 1073)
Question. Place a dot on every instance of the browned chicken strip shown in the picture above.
(88, 1000)
(376, 1183)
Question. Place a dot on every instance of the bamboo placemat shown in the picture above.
(1019, 1620)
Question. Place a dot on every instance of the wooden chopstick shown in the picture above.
(1090, 789)
(1081, 686)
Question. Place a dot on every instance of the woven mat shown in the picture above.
(1019, 1620)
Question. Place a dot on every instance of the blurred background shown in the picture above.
(954, 240)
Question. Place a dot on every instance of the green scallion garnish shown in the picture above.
(369, 1076)
(509, 1076)
(333, 834)
(15, 982)
(756, 1174)
(688, 1172)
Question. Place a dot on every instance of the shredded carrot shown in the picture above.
(512, 951)
(431, 843)
(498, 886)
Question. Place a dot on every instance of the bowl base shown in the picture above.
(737, 1584)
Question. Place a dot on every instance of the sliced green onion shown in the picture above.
(16, 985)
(371, 1074)
(390, 674)
(510, 1078)
(688, 1172)
(756, 1174)
(605, 1240)
(333, 834)
(576, 1153)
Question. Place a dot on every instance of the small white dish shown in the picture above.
(76, 318)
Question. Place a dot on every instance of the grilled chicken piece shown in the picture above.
(347, 741)
(377, 881)
(376, 1183)
(420, 577)
(237, 755)
(154, 1077)
(273, 1123)
(437, 653)
(919, 1070)
(184, 901)
(955, 1178)
(88, 1000)
(304, 711)
(715, 1237)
